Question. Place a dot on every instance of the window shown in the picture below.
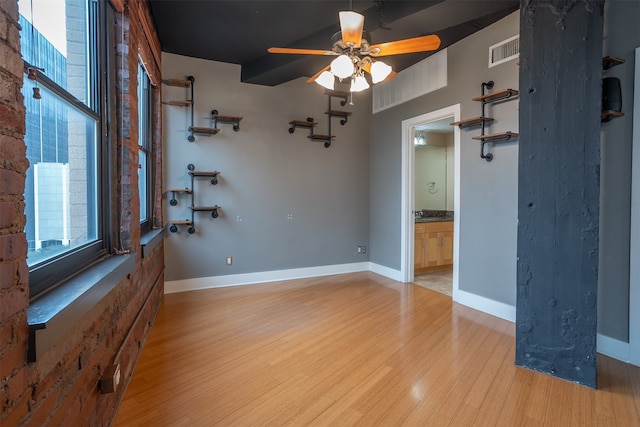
(64, 187)
(145, 120)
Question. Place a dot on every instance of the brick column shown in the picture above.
(14, 274)
(62, 386)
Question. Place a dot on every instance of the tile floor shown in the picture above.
(438, 280)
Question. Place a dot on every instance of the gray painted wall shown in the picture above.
(621, 37)
(431, 177)
(488, 211)
(266, 174)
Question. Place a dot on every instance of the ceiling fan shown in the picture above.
(357, 56)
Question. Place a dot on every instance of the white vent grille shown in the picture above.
(504, 51)
(419, 79)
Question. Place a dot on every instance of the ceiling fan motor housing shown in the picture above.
(340, 47)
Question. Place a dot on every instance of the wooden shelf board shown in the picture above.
(611, 61)
(202, 173)
(497, 96)
(303, 123)
(610, 114)
(321, 137)
(226, 119)
(338, 113)
(204, 131)
(497, 137)
(204, 208)
(183, 222)
(472, 121)
(178, 103)
(336, 93)
(177, 82)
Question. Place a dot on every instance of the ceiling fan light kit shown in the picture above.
(326, 79)
(355, 54)
(379, 71)
(342, 67)
(358, 84)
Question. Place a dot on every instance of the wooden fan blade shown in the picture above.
(300, 51)
(351, 26)
(416, 44)
(315, 76)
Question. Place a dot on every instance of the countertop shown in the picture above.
(434, 219)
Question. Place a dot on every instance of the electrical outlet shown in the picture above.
(363, 249)
(359, 249)
(229, 260)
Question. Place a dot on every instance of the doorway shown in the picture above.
(433, 205)
(409, 126)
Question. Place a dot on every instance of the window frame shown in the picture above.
(147, 145)
(49, 273)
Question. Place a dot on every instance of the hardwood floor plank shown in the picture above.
(451, 385)
(634, 380)
(272, 403)
(537, 403)
(520, 394)
(622, 394)
(479, 388)
(348, 350)
(342, 408)
(415, 371)
(498, 393)
(473, 362)
(464, 416)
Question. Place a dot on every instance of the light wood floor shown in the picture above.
(354, 349)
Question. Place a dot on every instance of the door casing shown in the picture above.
(408, 195)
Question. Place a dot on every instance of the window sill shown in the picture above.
(52, 316)
(150, 240)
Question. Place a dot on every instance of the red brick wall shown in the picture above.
(64, 383)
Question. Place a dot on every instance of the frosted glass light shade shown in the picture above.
(351, 25)
(379, 71)
(326, 79)
(342, 67)
(359, 83)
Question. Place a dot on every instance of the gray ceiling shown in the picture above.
(240, 32)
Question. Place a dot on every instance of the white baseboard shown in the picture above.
(486, 305)
(613, 348)
(385, 271)
(261, 277)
